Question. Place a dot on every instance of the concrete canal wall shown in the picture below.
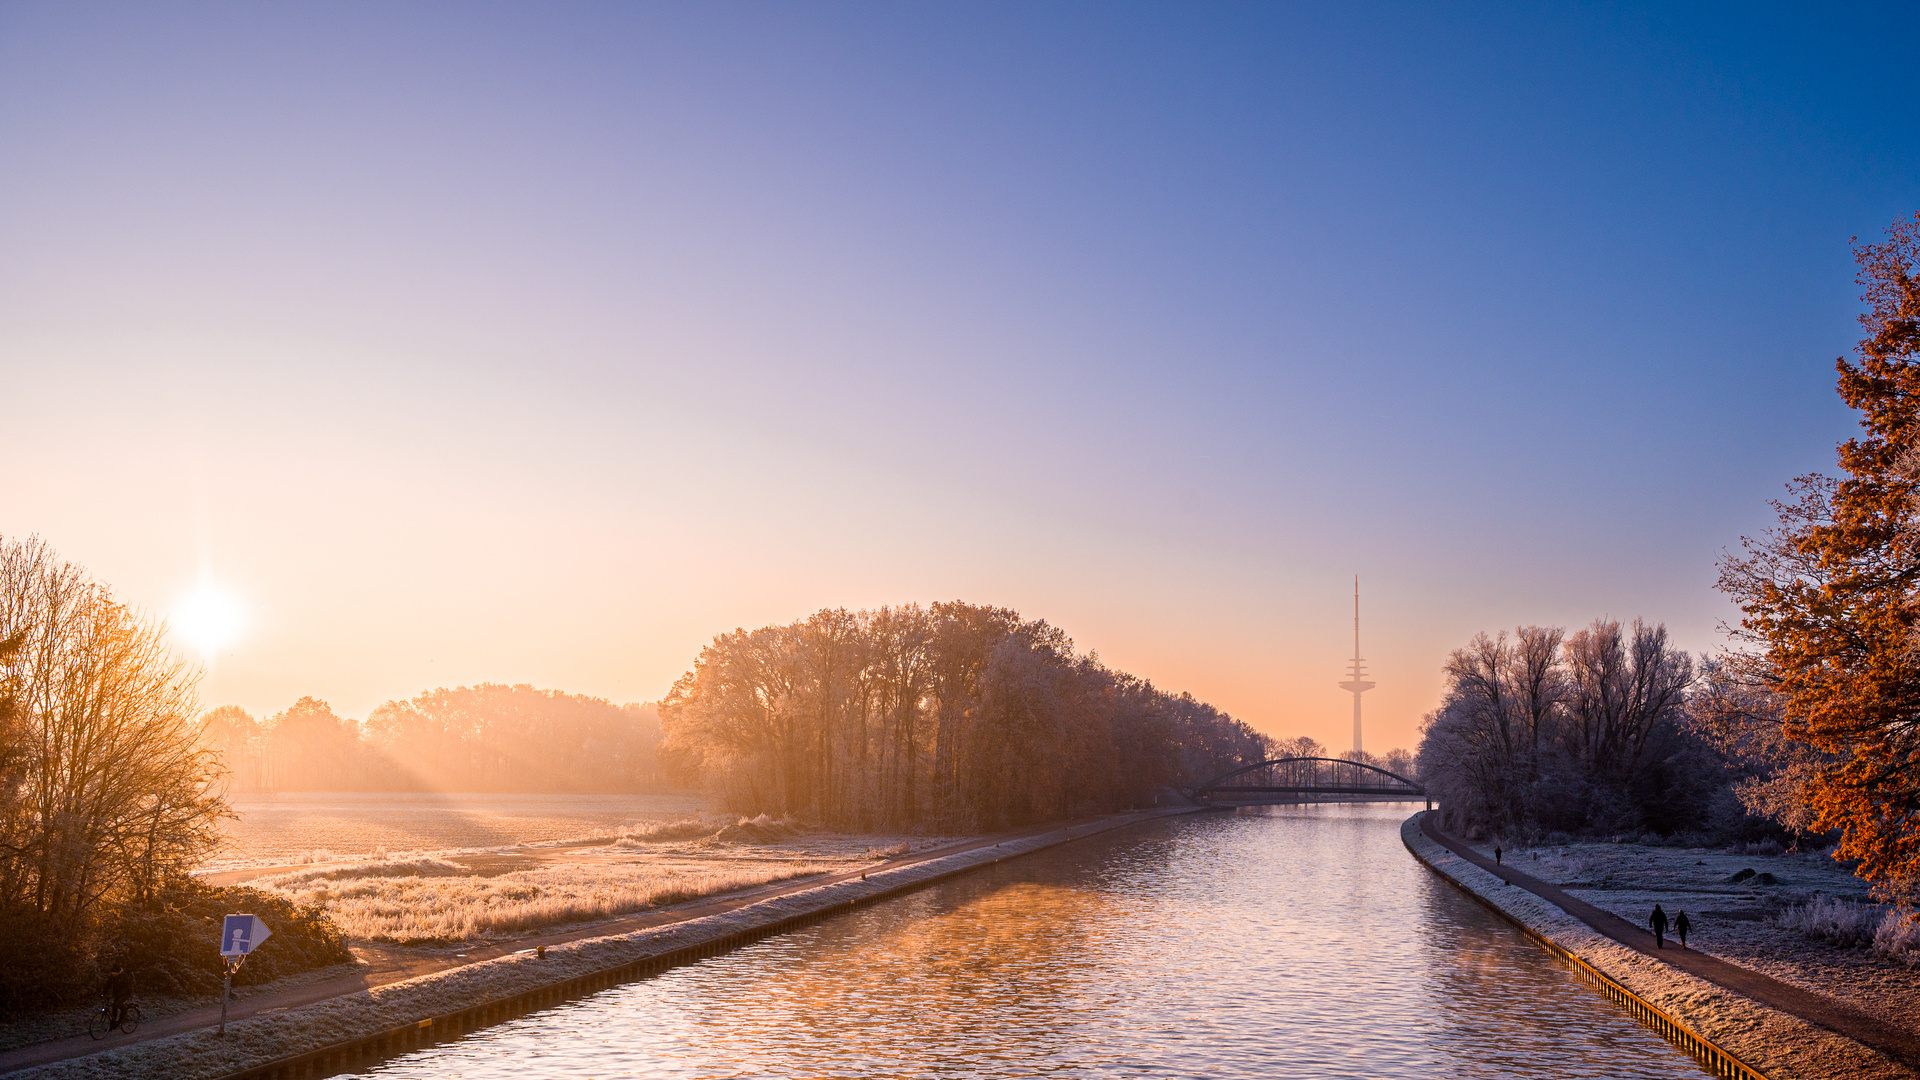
(341, 1033)
(1771, 1044)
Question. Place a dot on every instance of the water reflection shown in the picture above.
(1290, 942)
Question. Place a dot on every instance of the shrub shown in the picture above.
(1898, 936)
(1834, 920)
(172, 942)
(38, 963)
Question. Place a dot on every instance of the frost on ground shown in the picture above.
(471, 894)
(1782, 1046)
(456, 905)
(418, 869)
(291, 828)
(1801, 918)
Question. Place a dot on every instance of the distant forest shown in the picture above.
(486, 738)
(952, 716)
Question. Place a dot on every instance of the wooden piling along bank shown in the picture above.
(1717, 1059)
(353, 1053)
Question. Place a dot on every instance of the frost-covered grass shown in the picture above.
(1898, 937)
(1831, 919)
(508, 864)
(438, 906)
(660, 832)
(305, 827)
(424, 866)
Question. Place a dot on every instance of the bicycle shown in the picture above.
(99, 1026)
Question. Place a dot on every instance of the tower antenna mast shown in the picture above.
(1357, 682)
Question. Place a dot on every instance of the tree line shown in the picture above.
(955, 716)
(485, 738)
(1809, 724)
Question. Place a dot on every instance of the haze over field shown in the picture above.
(395, 348)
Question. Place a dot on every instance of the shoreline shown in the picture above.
(1772, 1042)
(337, 1032)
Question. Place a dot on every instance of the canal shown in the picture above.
(1280, 942)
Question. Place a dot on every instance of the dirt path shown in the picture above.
(380, 967)
(1896, 1042)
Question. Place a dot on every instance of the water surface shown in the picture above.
(1281, 942)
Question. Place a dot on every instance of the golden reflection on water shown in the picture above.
(1022, 947)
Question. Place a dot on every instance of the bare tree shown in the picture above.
(1620, 688)
(1539, 684)
(115, 793)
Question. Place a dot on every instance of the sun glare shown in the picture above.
(208, 619)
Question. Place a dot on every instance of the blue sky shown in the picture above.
(540, 343)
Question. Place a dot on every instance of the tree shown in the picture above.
(239, 742)
(112, 796)
(1620, 691)
(1831, 595)
(1741, 717)
(12, 718)
(311, 749)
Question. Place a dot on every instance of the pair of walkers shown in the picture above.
(1658, 921)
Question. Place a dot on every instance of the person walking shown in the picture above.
(1496, 854)
(1659, 923)
(1682, 924)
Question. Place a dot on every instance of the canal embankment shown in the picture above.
(1775, 1042)
(335, 1034)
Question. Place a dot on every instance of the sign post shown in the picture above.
(239, 935)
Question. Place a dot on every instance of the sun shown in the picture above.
(209, 618)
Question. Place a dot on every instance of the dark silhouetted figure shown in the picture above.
(1496, 854)
(1659, 924)
(1682, 924)
(120, 989)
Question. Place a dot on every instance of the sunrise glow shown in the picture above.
(208, 619)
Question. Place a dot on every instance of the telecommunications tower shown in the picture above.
(1357, 683)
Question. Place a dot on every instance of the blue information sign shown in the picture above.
(241, 934)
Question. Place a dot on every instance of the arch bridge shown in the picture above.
(1288, 779)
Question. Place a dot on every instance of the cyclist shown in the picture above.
(120, 989)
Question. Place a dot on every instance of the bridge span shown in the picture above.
(1291, 779)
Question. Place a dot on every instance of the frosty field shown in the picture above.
(308, 826)
(403, 869)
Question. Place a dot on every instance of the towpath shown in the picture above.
(384, 967)
(1892, 1040)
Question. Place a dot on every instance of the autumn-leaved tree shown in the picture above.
(1832, 594)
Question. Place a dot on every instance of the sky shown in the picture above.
(450, 343)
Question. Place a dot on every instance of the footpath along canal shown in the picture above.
(1280, 942)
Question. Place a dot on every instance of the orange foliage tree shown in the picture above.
(1831, 595)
